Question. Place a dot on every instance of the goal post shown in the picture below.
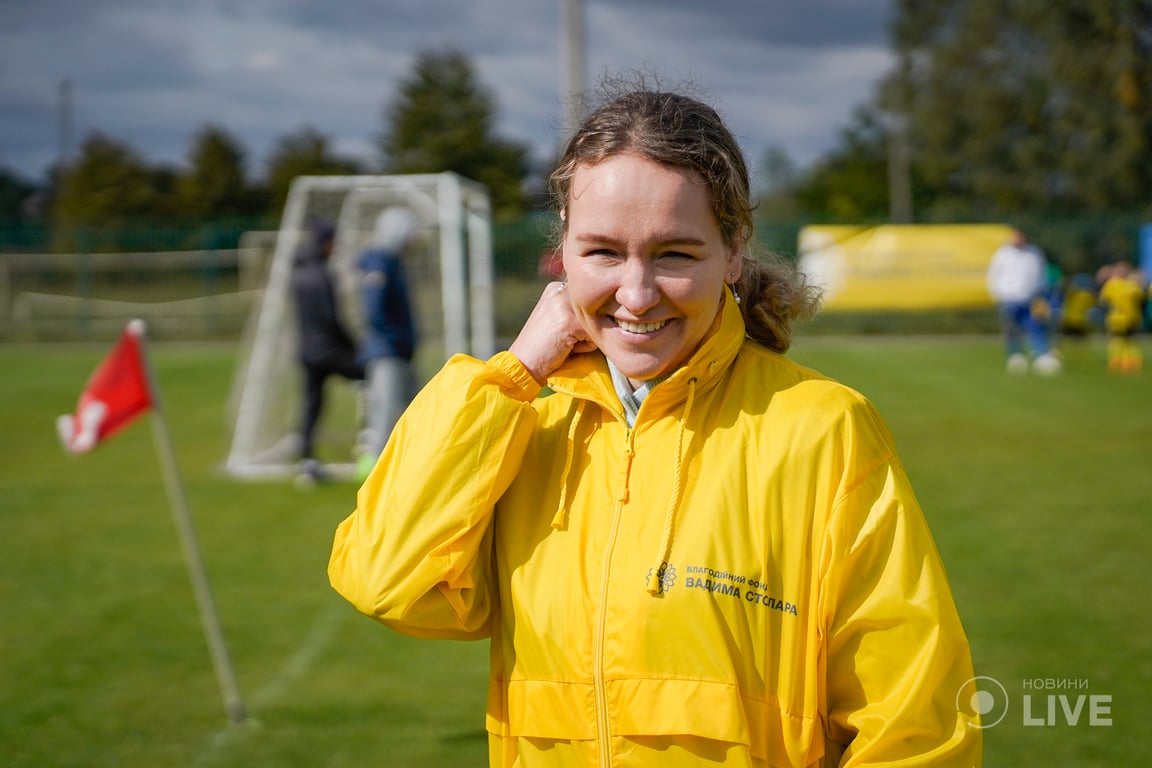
(450, 272)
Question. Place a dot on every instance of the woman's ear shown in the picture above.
(735, 265)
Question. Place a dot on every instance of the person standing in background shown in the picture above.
(1122, 296)
(1017, 276)
(1079, 303)
(390, 332)
(325, 348)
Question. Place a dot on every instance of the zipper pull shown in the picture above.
(626, 473)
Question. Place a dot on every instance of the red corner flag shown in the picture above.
(115, 394)
(118, 391)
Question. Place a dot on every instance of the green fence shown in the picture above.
(199, 268)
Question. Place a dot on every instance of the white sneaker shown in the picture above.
(1017, 363)
(1047, 364)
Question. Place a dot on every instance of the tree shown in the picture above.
(442, 119)
(777, 171)
(108, 187)
(775, 185)
(21, 210)
(14, 194)
(303, 153)
(216, 183)
(1028, 105)
(850, 182)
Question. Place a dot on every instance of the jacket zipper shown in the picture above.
(603, 734)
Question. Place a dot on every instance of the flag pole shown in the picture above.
(225, 676)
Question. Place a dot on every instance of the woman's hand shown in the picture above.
(551, 333)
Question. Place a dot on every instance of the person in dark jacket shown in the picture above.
(390, 333)
(326, 348)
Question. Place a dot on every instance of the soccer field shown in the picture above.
(1039, 492)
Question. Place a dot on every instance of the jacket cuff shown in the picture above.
(522, 385)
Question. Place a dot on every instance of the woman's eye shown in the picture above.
(675, 255)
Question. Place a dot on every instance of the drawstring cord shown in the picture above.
(560, 519)
(655, 577)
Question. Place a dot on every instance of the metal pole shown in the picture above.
(65, 149)
(899, 183)
(225, 676)
(899, 162)
(573, 65)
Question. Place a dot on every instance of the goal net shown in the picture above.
(450, 275)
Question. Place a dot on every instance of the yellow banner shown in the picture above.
(901, 266)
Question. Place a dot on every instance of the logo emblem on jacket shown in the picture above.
(667, 576)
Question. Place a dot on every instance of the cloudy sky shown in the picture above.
(785, 73)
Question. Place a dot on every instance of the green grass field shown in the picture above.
(1039, 492)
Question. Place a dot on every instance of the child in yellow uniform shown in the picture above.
(1122, 295)
(1079, 303)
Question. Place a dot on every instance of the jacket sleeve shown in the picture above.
(896, 653)
(416, 552)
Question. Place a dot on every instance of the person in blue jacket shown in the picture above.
(389, 342)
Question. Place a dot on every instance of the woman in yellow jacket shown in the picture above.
(690, 551)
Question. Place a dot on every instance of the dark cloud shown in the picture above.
(808, 23)
(152, 72)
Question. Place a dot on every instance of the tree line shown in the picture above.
(1000, 108)
(995, 109)
(441, 119)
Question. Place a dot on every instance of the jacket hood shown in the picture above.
(393, 227)
(313, 245)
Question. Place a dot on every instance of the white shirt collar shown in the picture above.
(630, 398)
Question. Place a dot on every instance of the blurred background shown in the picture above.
(148, 152)
(148, 149)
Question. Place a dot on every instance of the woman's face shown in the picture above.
(645, 261)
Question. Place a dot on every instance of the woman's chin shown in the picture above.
(637, 367)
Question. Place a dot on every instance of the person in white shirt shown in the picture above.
(1017, 279)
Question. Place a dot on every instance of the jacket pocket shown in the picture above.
(546, 709)
(663, 708)
(717, 711)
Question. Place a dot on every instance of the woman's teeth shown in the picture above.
(640, 327)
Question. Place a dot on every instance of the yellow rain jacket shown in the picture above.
(742, 578)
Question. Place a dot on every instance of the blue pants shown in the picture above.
(1018, 324)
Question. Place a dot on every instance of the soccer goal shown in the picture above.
(449, 268)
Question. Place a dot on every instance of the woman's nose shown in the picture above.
(637, 291)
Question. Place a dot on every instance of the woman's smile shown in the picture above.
(640, 327)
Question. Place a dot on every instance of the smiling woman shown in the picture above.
(693, 551)
(645, 261)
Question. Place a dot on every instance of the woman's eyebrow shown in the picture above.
(667, 242)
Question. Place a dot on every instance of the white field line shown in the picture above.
(297, 667)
